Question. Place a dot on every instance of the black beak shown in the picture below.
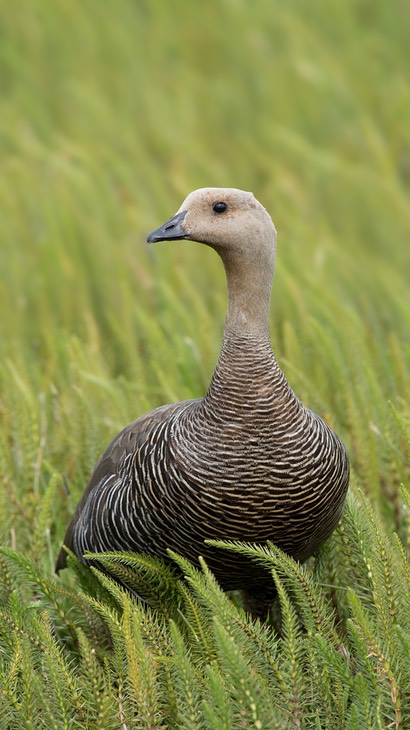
(170, 231)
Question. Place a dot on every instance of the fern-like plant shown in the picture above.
(335, 655)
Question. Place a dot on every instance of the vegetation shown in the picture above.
(110, 113)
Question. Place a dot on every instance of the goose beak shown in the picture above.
(172, 230)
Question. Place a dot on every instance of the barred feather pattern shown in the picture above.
(247, 462)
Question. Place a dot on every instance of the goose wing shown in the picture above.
(109, 465)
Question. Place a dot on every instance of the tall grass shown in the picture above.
(110, 113)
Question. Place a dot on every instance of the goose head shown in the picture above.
(229, 220)
(241, 231)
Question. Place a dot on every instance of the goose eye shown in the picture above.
(219, 207)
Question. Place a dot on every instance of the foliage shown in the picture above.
(109, 115)
(191, 658)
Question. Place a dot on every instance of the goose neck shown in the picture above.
(249, 288)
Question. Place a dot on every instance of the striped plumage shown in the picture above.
(246, 462)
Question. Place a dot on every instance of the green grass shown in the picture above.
(110, 113)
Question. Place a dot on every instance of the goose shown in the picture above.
(248, 461)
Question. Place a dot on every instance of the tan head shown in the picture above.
(226, 219)
(238, 227)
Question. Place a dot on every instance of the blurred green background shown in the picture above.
(110, 114)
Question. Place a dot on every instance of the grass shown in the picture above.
(109, 115)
